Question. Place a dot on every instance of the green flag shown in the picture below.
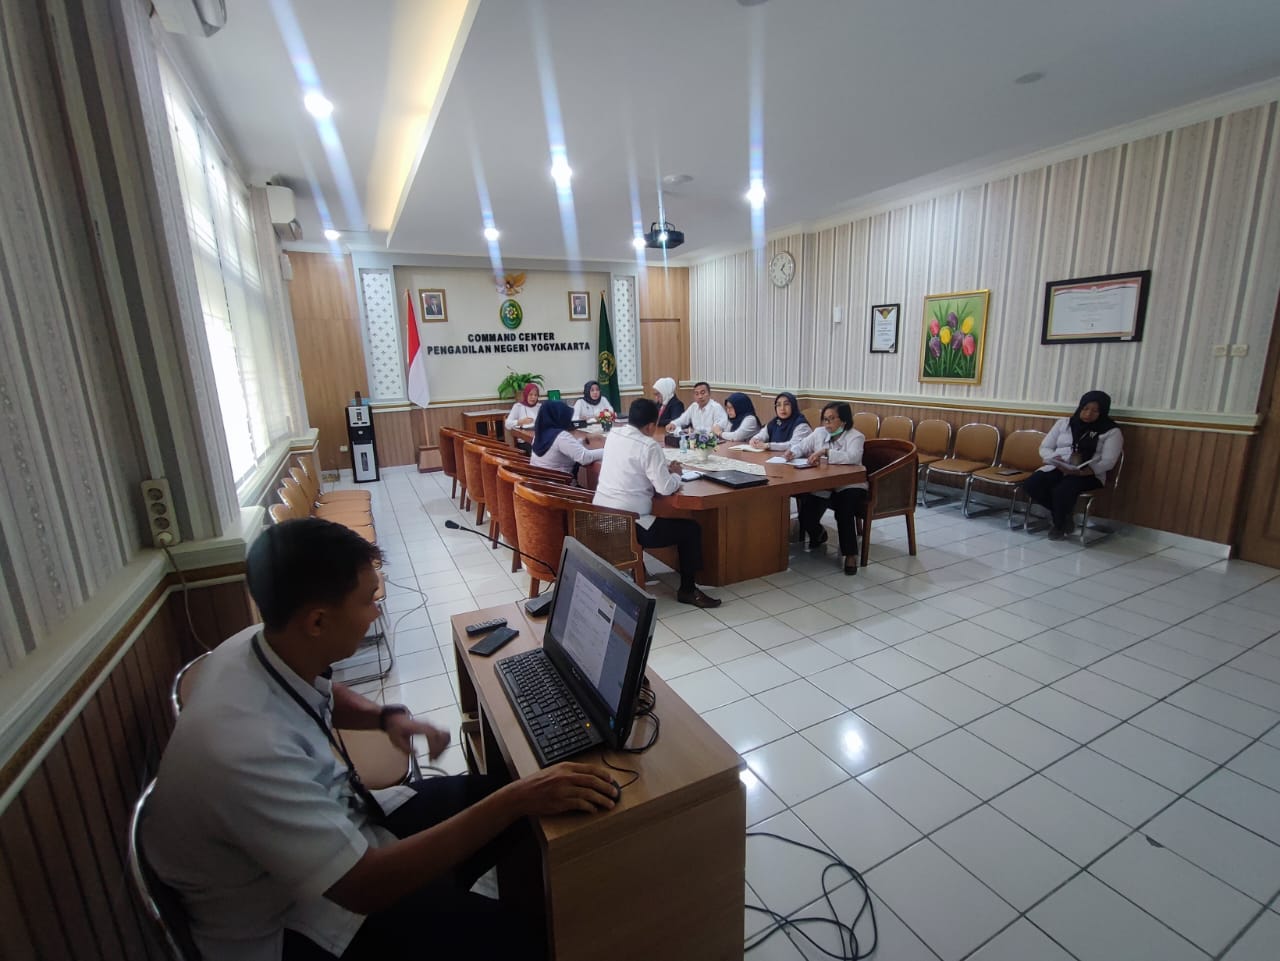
(608, 363)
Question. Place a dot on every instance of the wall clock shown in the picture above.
(782, 269)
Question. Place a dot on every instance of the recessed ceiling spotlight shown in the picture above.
(318, 105)
(755, 196)
(676, 180)
(1031, 77)
(331, 234)
(751, 3)
(491, 234)
(561, 173)
(637, 243)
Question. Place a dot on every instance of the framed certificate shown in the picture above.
(1093, 310)
(884, 328)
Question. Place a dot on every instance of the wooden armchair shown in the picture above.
(449, 458)
(977, 446)
(472, 450)
(490, 461)
(547, 513)
(510, 472)
(892, 468)
(1019, 459)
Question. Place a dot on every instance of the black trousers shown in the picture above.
(685, 534)
(442, 919)
(846, 505)
(1056, 492)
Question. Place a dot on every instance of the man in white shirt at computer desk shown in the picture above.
(275, 847)
(633, 470)
(703, 414)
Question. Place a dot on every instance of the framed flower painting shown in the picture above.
(953, 337)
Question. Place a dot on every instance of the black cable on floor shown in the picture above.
(851, 948)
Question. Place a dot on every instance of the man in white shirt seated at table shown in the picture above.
(633, 470)
(276, 849)
(703, 414)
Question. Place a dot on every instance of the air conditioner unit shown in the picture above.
(284, 212)
(194, 18)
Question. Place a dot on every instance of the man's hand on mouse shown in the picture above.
(565, 787)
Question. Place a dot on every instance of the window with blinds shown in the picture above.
(245, 353)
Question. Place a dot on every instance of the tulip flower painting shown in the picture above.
(954, 333)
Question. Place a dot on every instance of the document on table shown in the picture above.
(741, 447)
(793, 463)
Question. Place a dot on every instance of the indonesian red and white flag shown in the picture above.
(419, 391)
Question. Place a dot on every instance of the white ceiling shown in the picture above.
(856, 97)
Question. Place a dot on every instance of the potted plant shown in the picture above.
(701, 443)
(605, 419)
(514, 383)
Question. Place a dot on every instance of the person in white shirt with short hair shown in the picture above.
(836, 442)
(275, 848)
(633, 470)
(703, 415)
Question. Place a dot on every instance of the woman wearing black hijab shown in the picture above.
(592, 402)
(1077, 452)
(786, 428)
(743, 422)
(554, 445)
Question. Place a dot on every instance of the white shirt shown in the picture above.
(845, 449)
(565, 451)
(701, 418)
(1057, 443)
(584, 411)
(745, 430)
(519, 412)
(252, 817)
(633, 470)
(800, 433)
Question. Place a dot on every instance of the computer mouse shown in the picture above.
(617, 789)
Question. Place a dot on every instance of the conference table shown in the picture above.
(745, 531)
(662, 874)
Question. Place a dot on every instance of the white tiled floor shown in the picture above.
(1033, 751)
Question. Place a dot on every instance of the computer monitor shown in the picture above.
(598, 637)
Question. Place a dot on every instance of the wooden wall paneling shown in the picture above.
(662, 351)
(326, 322)
(16, 939)
(397, 436)
(664, 293)
(37, 898)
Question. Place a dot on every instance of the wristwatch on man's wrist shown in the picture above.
(389, 710)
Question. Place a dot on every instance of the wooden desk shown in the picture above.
(659, 876)
(489, 422)
(745, 532)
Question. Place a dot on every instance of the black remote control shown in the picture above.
(481, 626)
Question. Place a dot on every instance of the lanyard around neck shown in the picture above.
(373, 808)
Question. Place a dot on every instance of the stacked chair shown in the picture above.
(977, 446)
(1019, 459)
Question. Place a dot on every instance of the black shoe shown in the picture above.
(816, 542)
(1057, 534)
(1069, 527)
(697, 598)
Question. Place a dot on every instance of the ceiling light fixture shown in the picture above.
(755, 196)
(318, 105)
(561, 173)
(491, 234)
(331, 234)
(663, 236)
(1031, 77)
(676, 180)
(637, 242)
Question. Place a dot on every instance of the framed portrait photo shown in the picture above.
(579, 305)
(884, 328)
(433, 306)
(1091, 310)
(953, 336)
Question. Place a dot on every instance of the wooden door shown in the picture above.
(662, 351)
(1258, 539)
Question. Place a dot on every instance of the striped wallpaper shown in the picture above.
(1199, 206)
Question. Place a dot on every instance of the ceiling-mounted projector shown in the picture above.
(663, 236)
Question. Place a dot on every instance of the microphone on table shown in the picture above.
(535, 606)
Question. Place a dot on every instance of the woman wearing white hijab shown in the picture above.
(669, 405)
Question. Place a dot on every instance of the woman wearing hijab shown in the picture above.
(836, 442)
(743, 422)
(669, 405)
(525, 411)
(1077, 452)
(592, 402)
(787, 427)
(554, 445)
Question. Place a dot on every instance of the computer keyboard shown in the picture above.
(554, 723)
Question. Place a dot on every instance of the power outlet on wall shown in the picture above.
(160, 514)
